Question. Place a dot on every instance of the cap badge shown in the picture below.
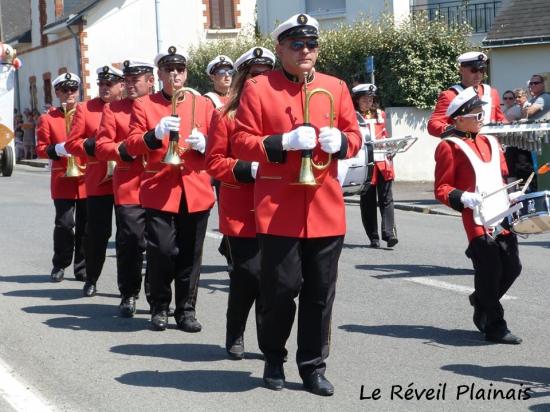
(68, 76)
(258, 52)
(222, 58)
(126, 63)
(302, 19)
(105, 69)
(171, 50)
(480, 57)
(371, 88)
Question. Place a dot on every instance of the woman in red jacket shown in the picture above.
(363, 96)
(236, 202)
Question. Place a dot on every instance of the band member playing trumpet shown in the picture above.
(68, 193)
(236, 203)
(363, 96)
(175, 189)
(81, 142)
(467, 162)
(130, 234)
(300, 215)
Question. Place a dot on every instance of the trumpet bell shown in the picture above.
(111, 164)
(73, 169)
(306, 176)
(172, 156)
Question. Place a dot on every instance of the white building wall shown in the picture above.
(35, 23)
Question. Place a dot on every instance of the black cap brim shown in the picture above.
(468, 106)
(172, 59)
(299, 31)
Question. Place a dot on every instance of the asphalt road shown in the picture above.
(401, 319)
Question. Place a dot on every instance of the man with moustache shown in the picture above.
(130, 216)
(300, 228)
(81, 142)
(68, 193)
(177, 198)
(472, 70)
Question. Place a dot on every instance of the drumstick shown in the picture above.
(508, 186)
(527, 183)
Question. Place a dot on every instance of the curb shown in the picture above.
(428, 210)
(33, 162)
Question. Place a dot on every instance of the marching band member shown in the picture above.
(466, 163)
(363, 96)
(236, 203)
(130, 216)
(81, 142)
(177, 199)
(473, 66)
(300, 228)
(68, 193)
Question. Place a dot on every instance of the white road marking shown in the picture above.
(448, 286)
(214, 235)
(18, 394)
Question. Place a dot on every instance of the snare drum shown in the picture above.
(355, 173)
(534, 216)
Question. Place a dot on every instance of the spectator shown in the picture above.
(521, 98)
(18, 132)
(29, 141)
(538, 106)
(511, 110)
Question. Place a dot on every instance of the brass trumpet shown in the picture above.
(111, 164)
(73, 168)
(306, 176)
(173, 155)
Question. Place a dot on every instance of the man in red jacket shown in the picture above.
(177, 198)
(130, 234)
(300, 227)
(68, 193)
(81, 142)
(472, 70)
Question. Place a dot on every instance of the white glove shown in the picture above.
(471, 199)
(301, 138)
(196, 140)
(254, 169)
(61, 151)
(330, 139)
(166, 124)
(513, 197)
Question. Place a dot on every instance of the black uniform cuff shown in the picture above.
(242, 172)
(52, 154)
(151, 141)
(123, 153)
(454, 200)
(273, 146)
(89, 146)
(341, 154)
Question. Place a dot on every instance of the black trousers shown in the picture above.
(292, 267)
(130, 246)
(244, 286)
(98, 232)
(497, 265)
(367, 203)
(69, 234)
(174, 252)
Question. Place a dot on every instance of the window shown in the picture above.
(222, 15)
(324, 6)
(47, 89)
(32, 92)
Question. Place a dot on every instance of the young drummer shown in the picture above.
(468, 164)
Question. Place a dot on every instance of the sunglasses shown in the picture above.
(475, 70)
(225, 72)
(509, 97)
(170, 69)
(66, 89)
(534, 83)
(105, 83)
(297, 45)
(478, 116)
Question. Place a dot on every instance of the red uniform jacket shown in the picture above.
(439, 120)
(51, 130)
(236, 202)
(114, 129)
(163, 185)
(454, 175)
(385, 167)
(270, 105)
(85, 124)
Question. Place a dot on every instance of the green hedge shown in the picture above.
(413, 60)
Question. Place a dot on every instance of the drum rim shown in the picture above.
(531, 195)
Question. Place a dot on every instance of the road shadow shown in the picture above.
(90, 317)
(215, 285)
(541, 407)
(428, 334)
(535, 377)
(214, 269)
(540, 244)
(203, 381)
(410, 271)
(183, 352)
(40, 278)
(56, 294)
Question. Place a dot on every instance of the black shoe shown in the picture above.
(57, 274)
(170, 310)
(159, 321)
(507, 338)
(189, 324)
(80, 276)
(274, 376)
(392, 241)
(375, 243)
(319, 385)
(480, 317)
(235, 347)
(127, 307)
(89, 289)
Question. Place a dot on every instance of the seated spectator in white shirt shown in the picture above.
(538, 107)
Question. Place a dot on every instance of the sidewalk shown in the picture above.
(412, 196)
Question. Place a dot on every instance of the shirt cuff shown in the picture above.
(52, 154)
(273, 146)
(123, 153)
(342, 153)
(242, 172)
(89, 146)
(454, 200)
(151, 141)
